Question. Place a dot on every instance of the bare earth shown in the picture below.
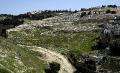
(51, 56)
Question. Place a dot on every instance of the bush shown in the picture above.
(108, 11)
(89, 13)
(83, 14)
(54, 68)
(113, 12)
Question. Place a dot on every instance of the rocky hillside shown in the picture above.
(66, 43)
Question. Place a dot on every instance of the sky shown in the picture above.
(22, 6)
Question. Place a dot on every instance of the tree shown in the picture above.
(103, 6)
(108, 11)
(3, 33)
(113, 12)
(112, 6)
(83, 14)
(75, 11)
(89, 13)
(83, 9)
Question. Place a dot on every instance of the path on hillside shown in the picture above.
(51, 56)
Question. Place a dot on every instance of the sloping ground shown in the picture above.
(14, 59)
(61, 34)
(51, 56)
(49, 33)
(58, 41)
(65, 22)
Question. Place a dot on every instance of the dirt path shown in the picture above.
(51, 56)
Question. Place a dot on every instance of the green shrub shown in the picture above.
(108, 11)
(54, 68)
(83, 14)
(113, 12)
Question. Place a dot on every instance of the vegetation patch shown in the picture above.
(58, 41)
(19, 59)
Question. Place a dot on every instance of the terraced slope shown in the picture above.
(47, 34)
(59, 34)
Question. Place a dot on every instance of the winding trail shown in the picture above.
(51, 56)
(48, 55)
